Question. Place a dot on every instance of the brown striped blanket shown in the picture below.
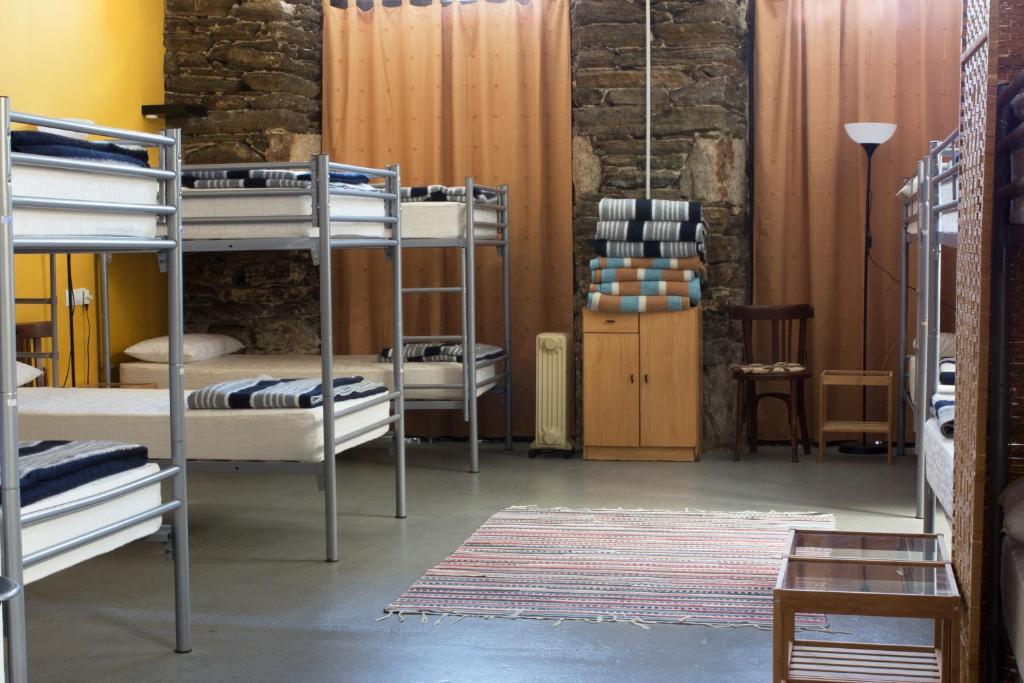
(609, 303)
(659, 263)
(642, 275)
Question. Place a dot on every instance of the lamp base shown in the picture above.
(864, 447)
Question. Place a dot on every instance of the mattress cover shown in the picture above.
(437, 220)
(57, 530)
(241, 365)
(194, 205)
(142, 416)
(1012, 582)
(53, 183)
(938, 455)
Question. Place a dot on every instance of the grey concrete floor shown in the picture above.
(267, 608)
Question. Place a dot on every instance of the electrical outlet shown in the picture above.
(82, 297)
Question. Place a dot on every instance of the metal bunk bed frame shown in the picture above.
(467, 245)
(930, 243)
(320, 247)
(168, 208)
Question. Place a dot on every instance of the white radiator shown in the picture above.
(553, 379)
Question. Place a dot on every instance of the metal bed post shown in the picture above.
(507, 305)
(469, 351)
(322, 201)
(10, 486)
(920, 378)
(170, 158)
(104, 294)
(901, 428)
(394, 186)
(929, 339)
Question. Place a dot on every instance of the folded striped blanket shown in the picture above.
(641, 275)
(443, 193)
(268, 393)
(49, 468)
(945, 412)
(690, 290)
(53, 145)
(650, 231)
(947, 371)
(439, 353)
(649, 249)
(609, 303)
(266, 177)
(657, 263)
(649, 210)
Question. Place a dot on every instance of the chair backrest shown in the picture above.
(787, 330)
(29, 339)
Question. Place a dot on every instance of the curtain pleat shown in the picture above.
(819, 64)
(450, 91)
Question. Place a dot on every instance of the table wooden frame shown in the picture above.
(851, 661)
(854, 378)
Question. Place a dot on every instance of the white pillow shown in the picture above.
(1012, 500)
(27, 373)
(197, 347)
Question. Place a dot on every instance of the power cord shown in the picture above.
(912, 288)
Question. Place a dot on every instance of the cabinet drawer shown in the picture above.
(593, 321)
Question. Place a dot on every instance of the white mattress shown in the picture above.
(198, 206)
(1012, 581)
(54, 531)
(241, 365)
(426, 220)
(51, 183)
(142, 416)
(938, 454)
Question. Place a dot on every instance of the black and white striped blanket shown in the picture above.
(650, 231)
(649, 210)
(49, 468)
(264, 177)
(269, 393)
(619, 249)
(947, 371)
(443, 193)
(439, 353)
(945, 413)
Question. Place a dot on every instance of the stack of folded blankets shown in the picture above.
(650, 256)
(944, 398)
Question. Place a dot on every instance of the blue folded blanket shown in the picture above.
(270, 393)
(49, 468)
(52, 145)
(262, 177)
(947, 371)
(945, 413)
(440, 353)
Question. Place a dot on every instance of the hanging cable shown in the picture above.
(71, 324)
(647, 150)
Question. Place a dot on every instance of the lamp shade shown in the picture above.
(870, 133)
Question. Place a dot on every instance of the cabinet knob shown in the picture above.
(632, 378)
(645, 378)
(610, 322)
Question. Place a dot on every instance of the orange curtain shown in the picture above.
(817, 65)
(479, 89)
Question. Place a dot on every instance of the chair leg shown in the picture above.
(740, 413)
(801, 408)
(791, 410)
(751, 401)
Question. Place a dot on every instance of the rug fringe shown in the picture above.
(695, 511)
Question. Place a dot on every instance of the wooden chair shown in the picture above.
(29, 339)
(787, 362)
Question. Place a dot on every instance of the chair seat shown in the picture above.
(782, 368)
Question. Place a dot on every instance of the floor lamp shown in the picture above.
(869, 136)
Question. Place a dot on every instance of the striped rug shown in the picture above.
(640, 566)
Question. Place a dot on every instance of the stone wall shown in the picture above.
(255, 66)
(699, 150)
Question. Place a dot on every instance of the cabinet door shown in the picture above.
(611, 389)
(670, 379)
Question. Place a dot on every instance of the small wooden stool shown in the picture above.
(854, 378)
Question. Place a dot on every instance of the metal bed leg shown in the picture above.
(507, 305)
(901, 402)
(398, 344)
(323, 207)
(104, 278)
(10, 492)
(171, 158)
(929, 510)
(921, 332)
(469, 351)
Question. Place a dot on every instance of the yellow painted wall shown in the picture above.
(98, 60)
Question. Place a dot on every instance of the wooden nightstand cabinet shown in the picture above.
(642, 385)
